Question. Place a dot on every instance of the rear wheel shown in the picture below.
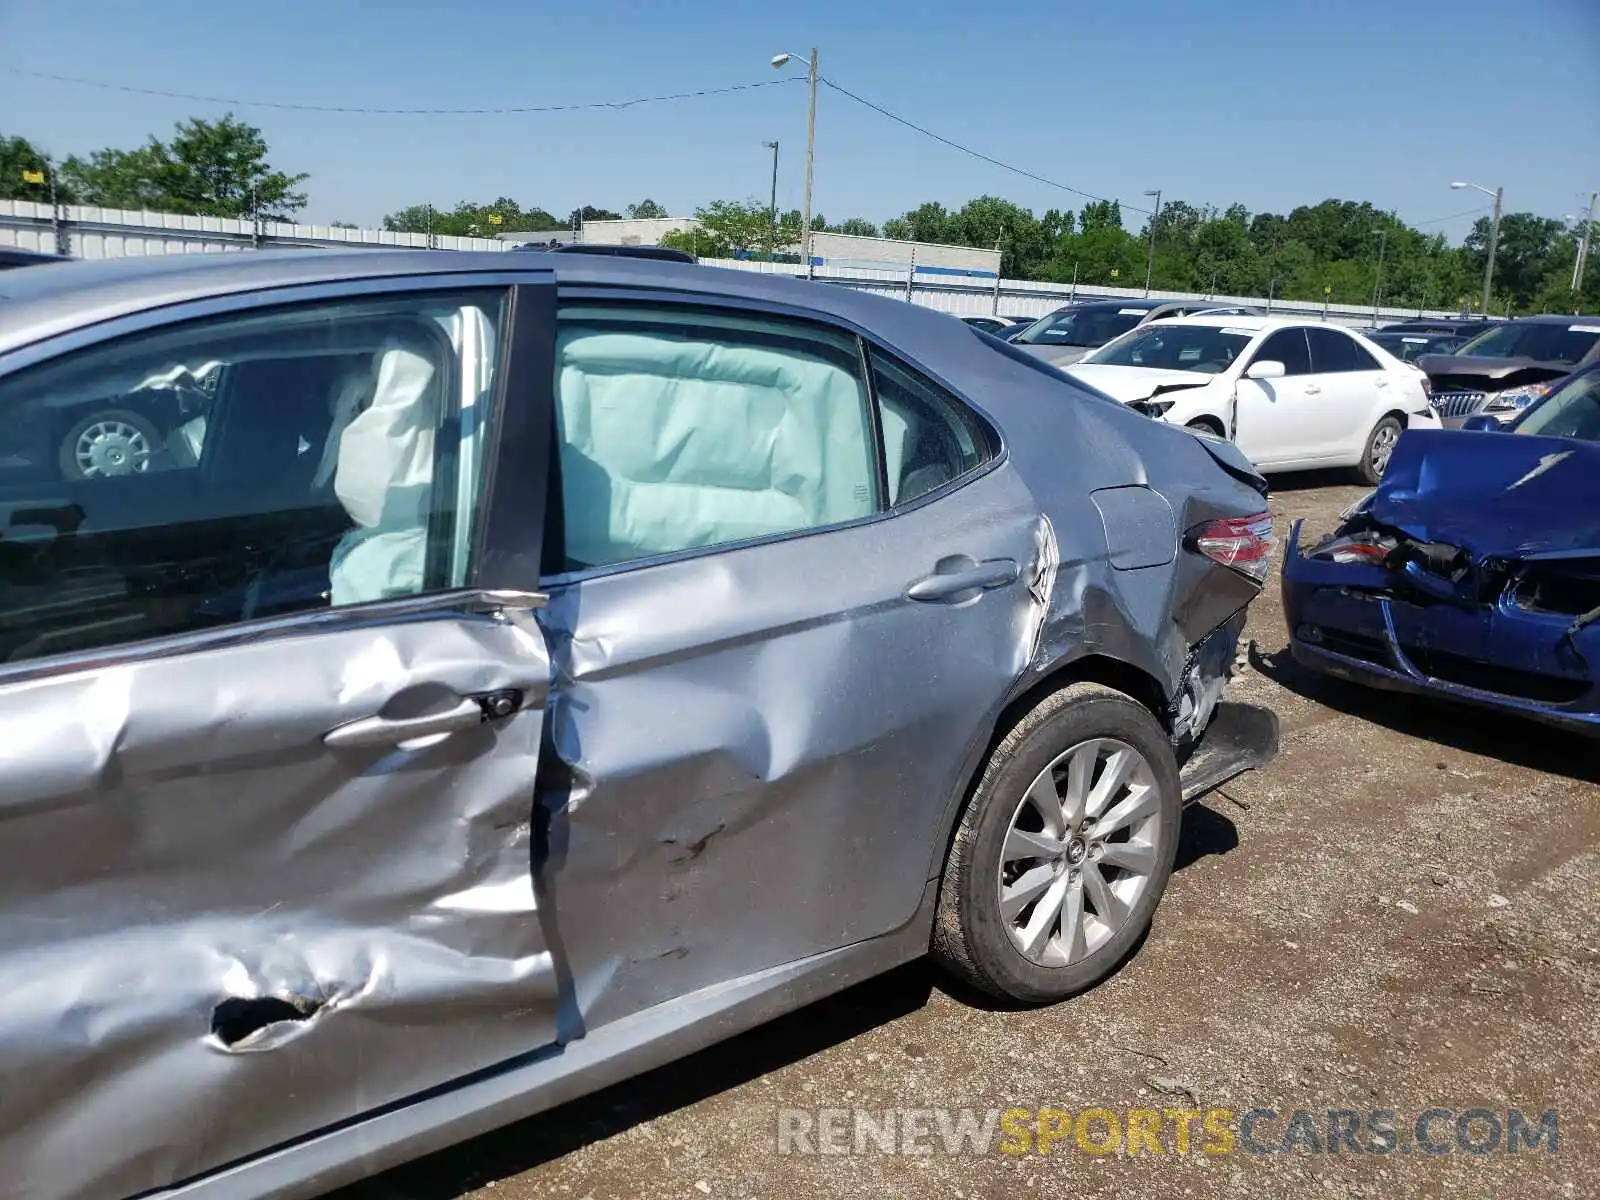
(109, 442)
(1064, 852)
(1380, 445)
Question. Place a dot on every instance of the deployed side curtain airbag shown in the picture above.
(384, 479)
(672, 442)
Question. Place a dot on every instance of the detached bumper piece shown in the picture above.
(1240, 738)
(1514, 634)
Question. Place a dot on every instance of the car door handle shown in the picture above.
(391, 731)
(961, 578)
(1312, 389)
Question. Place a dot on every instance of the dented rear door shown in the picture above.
(265, 877)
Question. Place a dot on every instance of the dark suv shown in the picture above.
(1509, 366)
(1069, 333)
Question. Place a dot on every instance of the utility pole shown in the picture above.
(1583, 244)
(811, 151)
(994, 306)
(1150, 256)
(1494, 241)
(1377, 281)
(773, 146)
(779, 61)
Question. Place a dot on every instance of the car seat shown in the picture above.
(383, 477)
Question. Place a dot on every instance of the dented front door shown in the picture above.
(255, 890)
(270, 874)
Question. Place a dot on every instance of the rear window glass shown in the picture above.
(1088, 326)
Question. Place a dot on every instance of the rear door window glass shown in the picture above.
(1333, 351)
(929, 437)
(679, 430)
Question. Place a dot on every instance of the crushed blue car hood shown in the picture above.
(1493, 494)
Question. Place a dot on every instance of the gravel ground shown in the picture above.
(1400, 912)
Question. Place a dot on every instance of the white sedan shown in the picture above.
(1292, 394)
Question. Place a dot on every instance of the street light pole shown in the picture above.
(1377, 282)
(780, 61)
(1494, 235)
(1583, 243)
(1150, 256)
(773, 146)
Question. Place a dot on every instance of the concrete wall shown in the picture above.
(846, 250)
(643, 231)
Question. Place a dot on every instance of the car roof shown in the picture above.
(1553, 319)
(39, 305)
(1253, 323)
(36, 305)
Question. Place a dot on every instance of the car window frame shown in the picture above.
(1259, 354)
(508, 526)
(724, 305)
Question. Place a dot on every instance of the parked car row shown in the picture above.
(525, 679)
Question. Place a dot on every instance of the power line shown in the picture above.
(1452, 217)
(974, 153)
(415, 112)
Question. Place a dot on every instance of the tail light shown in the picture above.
(1243, 543)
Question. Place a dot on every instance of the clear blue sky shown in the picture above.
(1272, 103)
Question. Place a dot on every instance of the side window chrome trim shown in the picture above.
(489, 602)
(276, 297)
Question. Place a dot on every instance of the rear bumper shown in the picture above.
(1234, 737)
(1343, 626)
(1240, 738)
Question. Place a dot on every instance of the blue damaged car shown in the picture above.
(1472, 572)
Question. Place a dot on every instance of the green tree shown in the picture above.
(590, 213)
(210, 168)
(1528, 246)
(858, 227)
(20, 160)
(645, 210)
(471, 219)
(989, 221)
(1100, 214)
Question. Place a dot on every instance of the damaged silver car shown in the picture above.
(477, 681)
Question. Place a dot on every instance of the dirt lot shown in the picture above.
(1401, 912)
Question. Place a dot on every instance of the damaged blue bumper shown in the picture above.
(1480, 581)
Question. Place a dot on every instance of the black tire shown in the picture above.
(969, 935)
(1389, 427)
(66, 453)
(1206, 425)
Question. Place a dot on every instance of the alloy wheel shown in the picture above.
(1080, 851)
(1383, 443)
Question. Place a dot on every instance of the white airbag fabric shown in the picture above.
(384, 478)
(673, 442)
